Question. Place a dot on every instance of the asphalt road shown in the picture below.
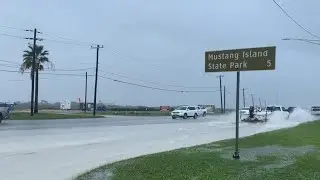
(95, 122)
(60, 149)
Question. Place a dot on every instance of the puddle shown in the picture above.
(101, 175)
(283, 156)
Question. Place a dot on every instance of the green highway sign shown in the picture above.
(250, 59)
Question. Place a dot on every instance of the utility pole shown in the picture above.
(35, 69)
(244, 97)
(224, 99)
(252, 99)
(220, 76)
(96, 80)
(85, 94)
(33, 66)
(260, 103)
(236, 153)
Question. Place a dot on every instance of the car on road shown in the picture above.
(4, 111)
(315, 110)
(244, 110)
(202, 110)
(185, 112)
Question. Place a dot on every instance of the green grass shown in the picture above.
(283, 154)
(136, 113)
(43, 116)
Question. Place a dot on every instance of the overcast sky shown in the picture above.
(164, 42)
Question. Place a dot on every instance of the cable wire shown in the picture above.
(288, 15)
(11, 62)
(119, 81)
(153, 82)
(10, 27)
(45, 73)
(67, 43)
(304, 40)
(9, 35)
(154, 88)
(16, 65)
(72, 40)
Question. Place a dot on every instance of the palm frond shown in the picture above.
(41, 58)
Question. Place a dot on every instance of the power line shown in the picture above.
(150, 87)
(304, 40)
(14, 36)
(59, 37)
(72, 40)
(10, 27)
(288, 15)
(153, 82)
(16, 65)
(119, 81)
(20, 80)
(311, 42)
(45, 73)
(301, 39)
(84, 69)
(67, 43)
(50, 40)
(9, 62)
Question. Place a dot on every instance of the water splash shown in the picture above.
(278, 121)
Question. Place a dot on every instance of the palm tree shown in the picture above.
(41, 60)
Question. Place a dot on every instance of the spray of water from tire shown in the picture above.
(276, 120)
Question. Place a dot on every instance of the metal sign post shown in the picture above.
(236, 153)
(250, 59)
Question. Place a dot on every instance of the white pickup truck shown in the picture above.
(282, 111)
(315, 110)
(263, 116)
(187, 111)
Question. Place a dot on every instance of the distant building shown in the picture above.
(65, 105)
(164, 108)
(89, 106)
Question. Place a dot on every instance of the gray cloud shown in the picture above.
(164, 41)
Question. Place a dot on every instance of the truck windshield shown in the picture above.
(277, 109)
(270, 108)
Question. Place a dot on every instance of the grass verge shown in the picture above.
(283, 154)
(45, 116)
